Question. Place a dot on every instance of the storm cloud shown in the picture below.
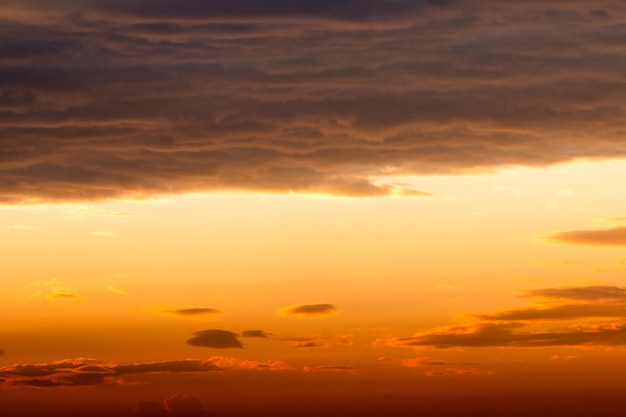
(107, 99)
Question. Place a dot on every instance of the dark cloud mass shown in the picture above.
(110, 98)
(216, 339)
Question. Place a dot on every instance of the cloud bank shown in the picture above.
(517, 328)
(108, 99)
(82, 372)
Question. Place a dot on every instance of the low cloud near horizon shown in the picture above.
(135, 99)
(82, 372)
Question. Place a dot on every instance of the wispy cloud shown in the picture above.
(256, 333)
(615, 236)
(195, 312)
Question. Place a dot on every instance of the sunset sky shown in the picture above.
(299, 208)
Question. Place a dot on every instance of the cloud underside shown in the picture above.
(514, 328)
(104, 99)
(602, 237)
(81, 372)
(309, 310)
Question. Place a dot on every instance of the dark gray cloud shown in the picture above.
(602, 237)
(102, 99)
(256, 333)
(309, 310)
(216, 339)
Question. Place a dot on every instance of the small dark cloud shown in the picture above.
(309, 310)
(256, 333)
(311, 344)
(215, 339)
(601, 237)
(194, 312)
(1, 352)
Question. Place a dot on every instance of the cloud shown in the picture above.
(567, 303)
(423, 362)
(602, 237)
(116, 290)
(515, 328)
(588, 293)
(194, 312)
(82, 371)
(458, 372)
(54, 290)
(243, 365)
(313, 97)
(329, 369)
(215, 339)
(504, 335)
(168, 366)
(1, 352)
(256, 333)
(309, 310)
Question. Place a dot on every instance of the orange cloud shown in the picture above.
(602, 237)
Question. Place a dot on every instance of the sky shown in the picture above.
(305, 208)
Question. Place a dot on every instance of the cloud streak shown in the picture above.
(514, 328)
(82, 372)
(602, 237)
(108, 99)
(309, 310)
